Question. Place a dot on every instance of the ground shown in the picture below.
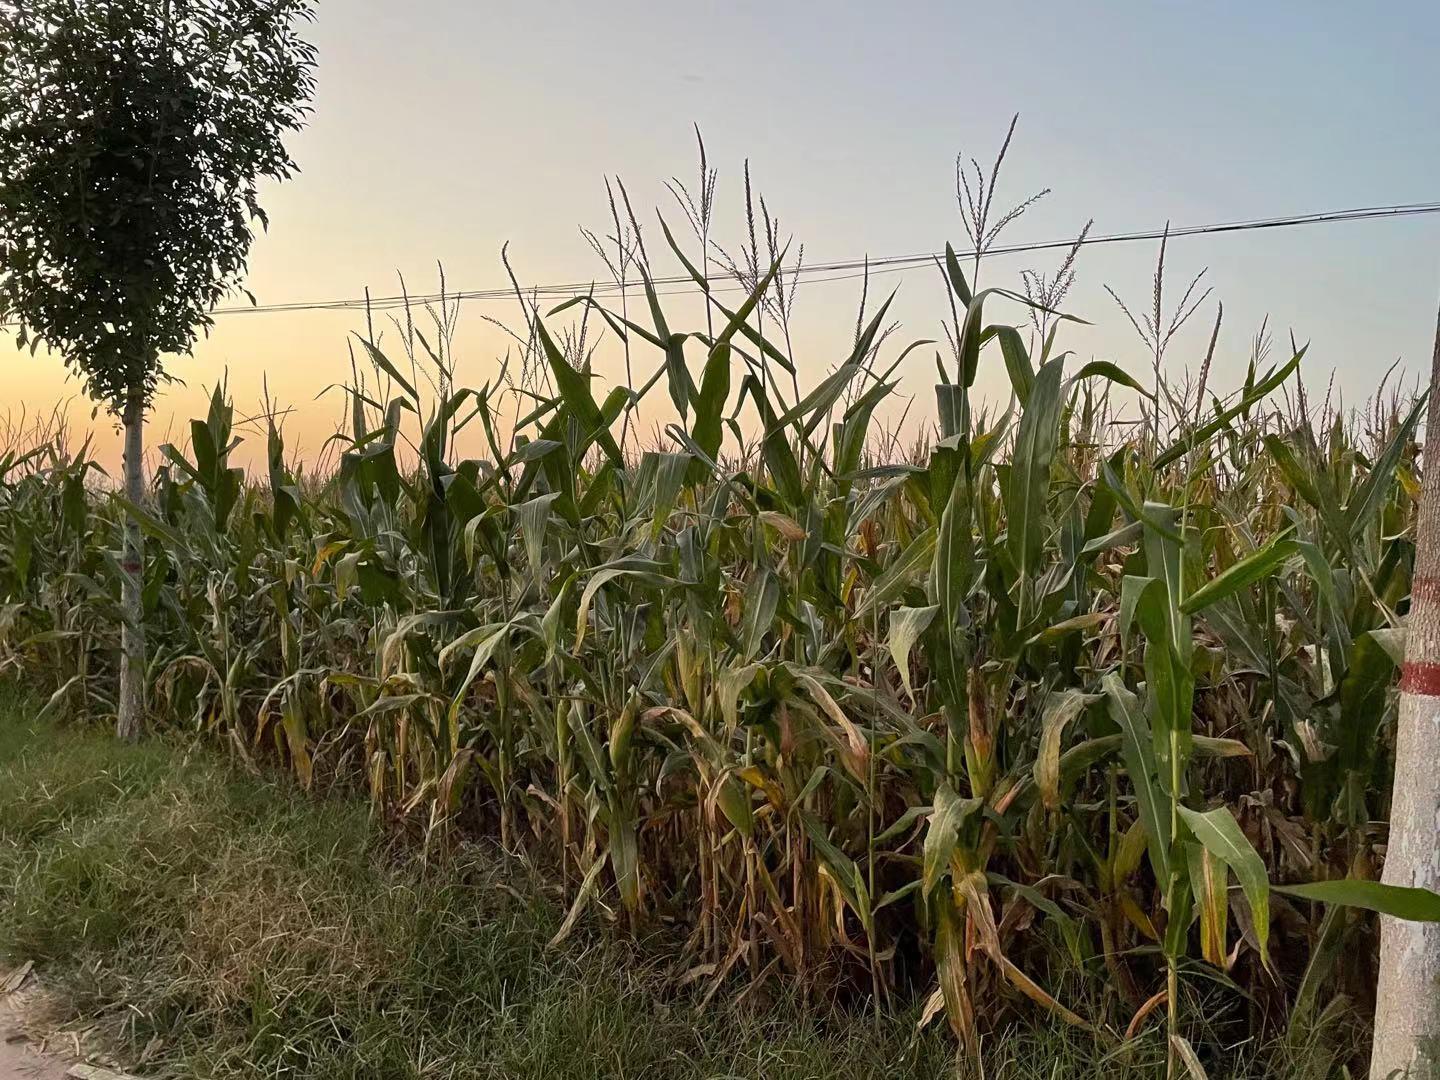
(19, 1059)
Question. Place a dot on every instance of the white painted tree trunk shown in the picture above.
(1407, 1008)
(132, 629)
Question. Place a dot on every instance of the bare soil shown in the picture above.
(19, 1058)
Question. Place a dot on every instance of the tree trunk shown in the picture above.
(1407, 1008)
(132, 565)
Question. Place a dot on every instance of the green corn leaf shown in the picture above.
(648, 573)
(1017, 362)
(733, 798)
(956, 277)
(1301, 479)
(1365, 501)
(1139, 755)
(1363, 691)
(903, 824)
(841, 867)
(534, 515)
(972, 336)
(775, 448)
(906, 626)
(670, 471)
(1036, 439)
(690, 268)
(899, 575)
(943, 832)
(1401, 902)
(1073, 625)
(1104, 369)
(1121, 537)
(682, 386)
(1256, 566)
(1221, 835)
(152, 525)
(954, 555)
(1204, 432)
(380, 360)
(708, 429)
(550, 624)
(576, 394)
(761, 601)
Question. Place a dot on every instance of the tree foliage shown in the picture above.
(133, 138)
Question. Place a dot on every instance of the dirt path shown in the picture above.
(18, 1060)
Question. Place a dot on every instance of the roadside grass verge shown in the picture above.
(211, 924)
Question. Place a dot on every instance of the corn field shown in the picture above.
(1045, 712)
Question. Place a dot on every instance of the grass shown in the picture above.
(216, 924)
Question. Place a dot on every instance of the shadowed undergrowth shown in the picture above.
(215, 924)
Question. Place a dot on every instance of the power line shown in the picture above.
(846, 269)
(841, 270)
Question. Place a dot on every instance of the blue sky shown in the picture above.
(445, 128)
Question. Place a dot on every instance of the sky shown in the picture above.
(443, 129)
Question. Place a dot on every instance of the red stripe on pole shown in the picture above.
(1420, 678)
(1425, 587)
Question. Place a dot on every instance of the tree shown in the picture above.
(1407, 1005)
(133, 138)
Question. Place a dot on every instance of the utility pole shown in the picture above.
(1407, 1007)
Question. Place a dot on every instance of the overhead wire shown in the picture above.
(839, 270)
(844, 269)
